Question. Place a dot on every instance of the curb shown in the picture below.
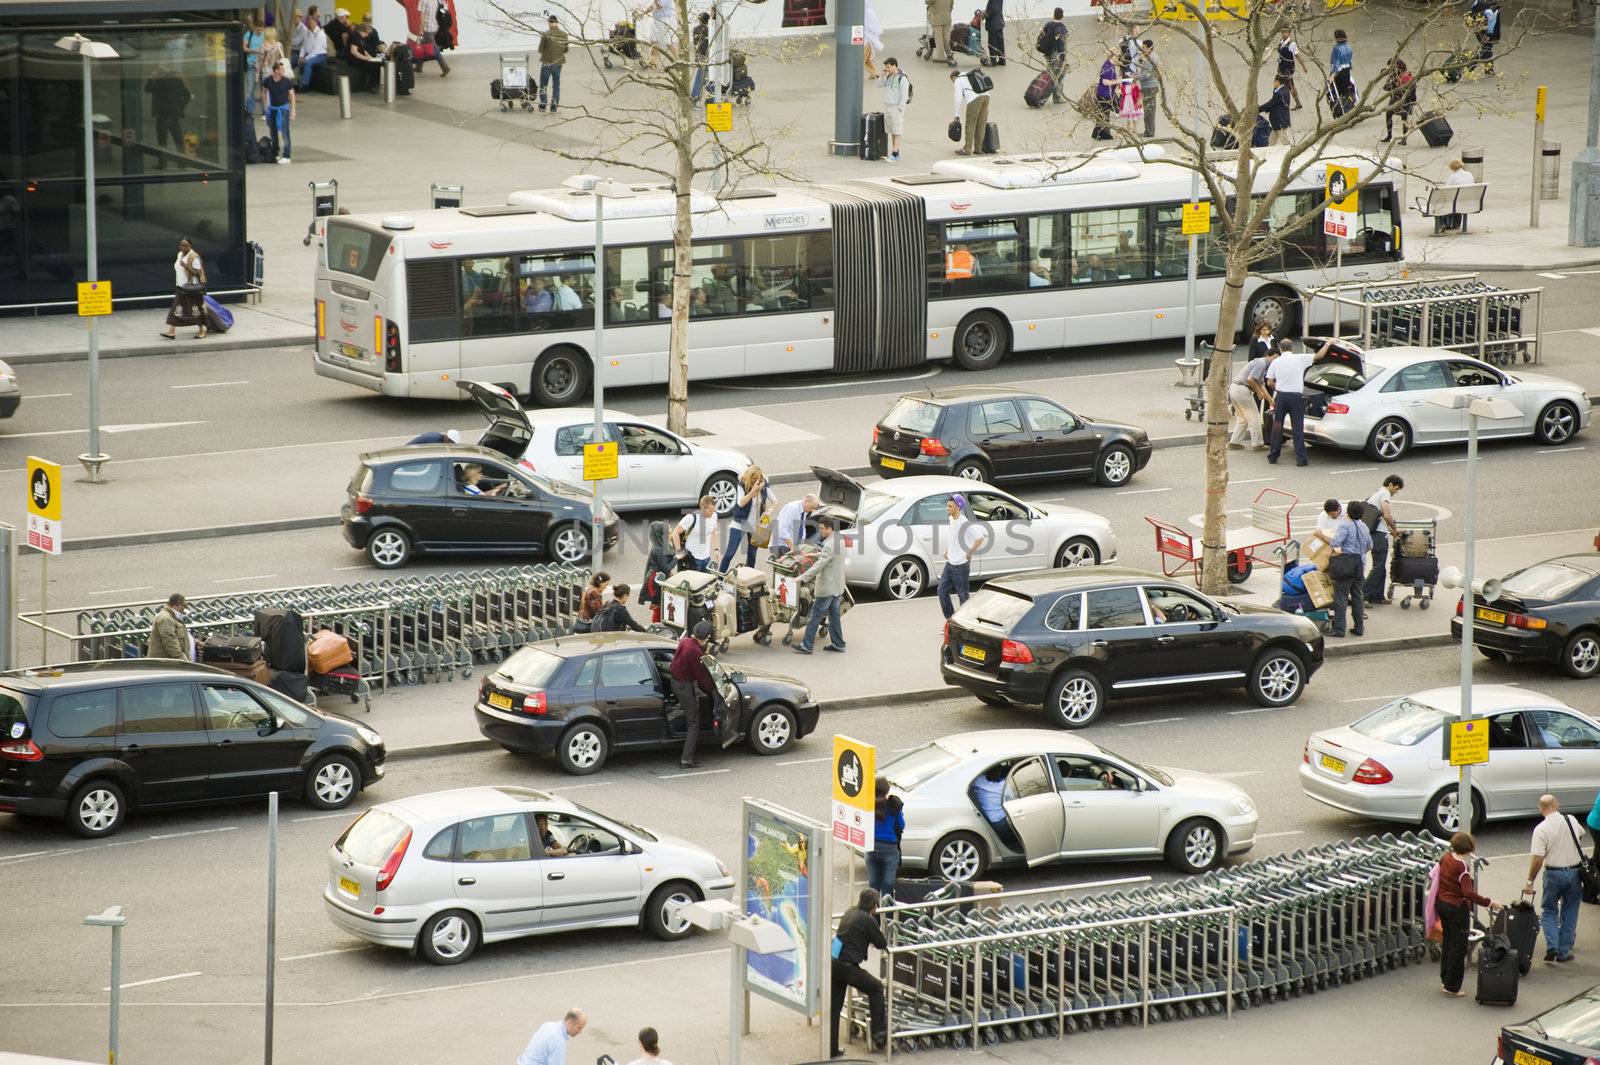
(1478, 266)
(926, 695)
(36, 358)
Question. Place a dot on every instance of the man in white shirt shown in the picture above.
(1328, 521)
(549, 1044)
(1556, 849)
(565, 298)
(697, 534)
(966, 538)
(1287, 375)
(972, 108)
(792, 524)
(1380, 519)
(314, 52)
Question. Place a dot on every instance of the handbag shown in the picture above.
(1344, 567)
(196, 285)
(955, 130)
(761, 531)
(1588, 871)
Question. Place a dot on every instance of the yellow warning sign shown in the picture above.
(94, 298)
(719, 117)
(1469, 742)
(600, 461)
(1196, 218)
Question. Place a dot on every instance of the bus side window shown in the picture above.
(628, 284)
(1047, 251)
(488, 307)
(556, 291)
(1374, 237)
(1109, 245)
(780, 271)
(1172, 247)
(984, 256)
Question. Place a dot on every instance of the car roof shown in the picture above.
(588, 643)
(98, 673)
(923, 484)
(563, 416)
(464, 802)
(1014, 742)
(1394, 358)
(1486, 698)
(423, 452)
(1038, 582)
(970, 394)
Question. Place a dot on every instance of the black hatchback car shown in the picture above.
(1548, 612)
(446, 499)
(1002, 434)
(91, 741)
(582, 697)
(1070, 638)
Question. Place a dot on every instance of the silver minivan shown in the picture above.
(443, 872)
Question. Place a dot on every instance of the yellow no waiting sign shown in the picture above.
(1196, 218)
(94, 298)
(600, 461)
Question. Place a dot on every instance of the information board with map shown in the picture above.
(776, 884)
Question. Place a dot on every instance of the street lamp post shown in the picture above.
(88, 50)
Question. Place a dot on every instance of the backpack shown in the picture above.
(979, 81)
(911, 89)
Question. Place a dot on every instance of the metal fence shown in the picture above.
(971, 972)
(1460, 312)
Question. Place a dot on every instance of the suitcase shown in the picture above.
(1436, 131)
(405, 78)
(1520, 925)
(495, 91)
(1498, 972)
(1039, 90)
(252, 144)
(874, 136)
(1222, 134)
(1319, 586)
(291, 683)
(724, 617)
(217, 650)
(991, 139)
(1406, 571)
(327, 651)
(218, 318)
(1413, 543)
(256, 671)
(255, 263)
(283, 634)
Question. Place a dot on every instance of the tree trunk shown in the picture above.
(1214, 535)
(682, 232)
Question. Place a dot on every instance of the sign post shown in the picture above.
(1538, 143)
(44, 535)
(854, 770)
(1340, 190)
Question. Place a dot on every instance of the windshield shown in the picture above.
(1547, 580)
(530, 667)
(915, 768)
(1335, 378)
(373, 836)
(1403, 722)
(1148, 770)
(994, 607)
(630, 826)
(1577, 1021)
(872, 506)
(352, 250)
(913, 416)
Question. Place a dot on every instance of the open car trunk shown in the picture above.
(509, 430)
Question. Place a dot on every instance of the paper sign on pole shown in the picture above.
(94, 298)
(44, 506)
(1538, 104)
(854, 770)
(1343, 196)
(858, 35)
(1196, 218)
(600, 461)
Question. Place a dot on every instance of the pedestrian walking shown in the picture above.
(594, 597)
(1276, 109)
(189, 292)
(658, 565)
(663, 33)
(1289, 62)
(896, 95)
(649, 1049)
(1484, 18)
(549, 1044)
(1401, 85)
(1341, 74)
(1556, 850)
(689, 678)
(1351, 545)
(994, 23)
(277, 92)
(314, 52)
(1247, 393)
(965, 539)
(700, 38)
(1053, 46)
(871, 39)
(888, 825)
(857, 932)
(1287, 376)
(169, 635)
(552, 55)
(271, 50)
(755, 502)
(791, 530)
(444, 32)
(695, 537)
(1380, 523)
(251, 44)
(939, 12)
(972, 111)
(1105, 90)
(826, 577)
(614, 616)
(1456, 897)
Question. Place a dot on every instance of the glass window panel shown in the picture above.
(579, 837)
(983, 256)
(1047, 251)
(488, 300)
(587, 674)
(1109, 245)
(233, 710)
(442, 846)
(788, 273)
(630, 670)
(629, 297)
(158, 708)
(1421, 376)
(1065, 613)
(84, 714)
(1115, 608)
(556, 291)
(416, 477)
(996, 416)
(501, 838)
(1172, 247)
(1029, 778)
(1044, 416)
(716, 279)
(1374, 236)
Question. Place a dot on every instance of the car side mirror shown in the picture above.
(736, 677)
(269, 726)
(1219, 614)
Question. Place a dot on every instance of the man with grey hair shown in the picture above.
(792, 523)
(1556, 850)
(549, 1044)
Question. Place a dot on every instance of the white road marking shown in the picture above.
(1152, 721)
(1141, 491)
(196, 832)
(237, 580)
(601, 783)
(1254, 480)
(1555, 277)
(804, 761)
(54, 395)
(155, 980)
(1236, 774)
(208, 384)
(1369, 699)
(694, 773)
(120, 591)
(320, 817)
(1446, 462)
(1257, 710)
(339, 950)
(136, 427)
(341, 569)
(1562, 450)
(1280, 835)
(835, 384)
(52, 432)
(1354, 469)
(25, 854)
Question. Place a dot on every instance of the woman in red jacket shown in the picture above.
(1457, 896)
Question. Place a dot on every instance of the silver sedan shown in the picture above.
(1390, 764)
(1059, 797)
(1389, 403)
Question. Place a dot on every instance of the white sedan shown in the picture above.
(901, 528)
(656, 469)
(1389, 402)
(1390, 765)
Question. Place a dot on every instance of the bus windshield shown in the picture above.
(354, 250)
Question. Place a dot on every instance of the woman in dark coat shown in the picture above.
(188, 297)
(994, 20)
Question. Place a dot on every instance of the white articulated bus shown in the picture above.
(969, 262)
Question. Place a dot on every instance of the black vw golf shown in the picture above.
(582, 697)
(1070, 638)
(1549, 611)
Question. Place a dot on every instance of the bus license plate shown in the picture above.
(350, 351)
(1496, 617)
(892, 464)
(977, 654)
(502, 701)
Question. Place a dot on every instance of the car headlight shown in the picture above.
(722, 870)
(1244, 807)
(368, 735)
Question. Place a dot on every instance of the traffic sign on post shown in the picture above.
(1197, 218)
(94, 298)
(600, 461)
(854, 770)
(1343, 196)
(719, 117)
(44, 506)
(1467, 742)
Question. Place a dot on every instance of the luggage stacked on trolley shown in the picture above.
(964, 973)
(623, 43)
(1414, 562)
(792, 597)
(735, 602)
(513, 86)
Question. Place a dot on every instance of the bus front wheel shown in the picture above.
(561, 377)
(981, 341)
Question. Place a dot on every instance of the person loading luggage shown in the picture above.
(1457, 896)
(689, 673)
(858, 930)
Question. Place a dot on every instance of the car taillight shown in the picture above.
(1370, 772)
(1523, 621)
(1305, 753)
(874, 434)
(391, 347)
(1338, 408)
(21, 751)
(322, 320)
(363, 504)
(1460, 608)
(528, 466)
(946, 630)
(391, 864)
(534, 703)
(933, 447)
(1012, 651)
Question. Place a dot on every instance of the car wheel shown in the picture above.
(97, 809)
(1557, 423)
(1115, 468)
(448, 938)
(1390, 439)
(1195, 846)
(569, 543)
(1277, 678)
(1442, 816)
(980, 341)
(772, 729)
(560, 377)
(389, 548)
(659, 918)
(1274, 307)
(1075, 699)
(1078, 551)
(971, 470)
(723, 488)
(333, 783)
(960, 856)
(904, 578)
(1581, 656)
(582, 748)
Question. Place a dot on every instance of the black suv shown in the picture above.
(423, 499)
(92, 740)
(1069, 638)
(1002, 434)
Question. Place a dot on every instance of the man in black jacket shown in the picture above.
(858, 930)
(614, 616)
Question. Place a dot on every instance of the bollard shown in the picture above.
(388, 81)
(1550, 171)
(344, 96)
(1472, 159)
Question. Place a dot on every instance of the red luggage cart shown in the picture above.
(1271, 518)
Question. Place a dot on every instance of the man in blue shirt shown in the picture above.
(1351, 545)
(549, 1044)
(989, 792)
(1294, 598)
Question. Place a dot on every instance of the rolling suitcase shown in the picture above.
(217, 650)
(1436, 131)
(1520, 925)
(1498, 972)
(218, 318)
(1405, 570)
(327, 651)
(874, 136)
(1039, 90)
(256, 671)
(991, 139)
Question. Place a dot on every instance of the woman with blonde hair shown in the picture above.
(271, 52)
(755, 500)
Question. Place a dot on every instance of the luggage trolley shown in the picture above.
(791, 597)
(1414, 561)
(1271, 517)
(515, 87)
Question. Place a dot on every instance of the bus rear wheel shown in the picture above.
(1272, 306)
(981, 341)
(561, 377)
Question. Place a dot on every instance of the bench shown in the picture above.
(1446, 200)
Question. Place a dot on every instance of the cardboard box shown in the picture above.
(1319, 586)
(980, 888)
(1317, 552)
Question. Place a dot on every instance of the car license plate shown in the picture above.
(353, 889)
(892, 464)
(350, 351)
(502, 701)
(1522, 1057)
(1335, 764)
(977, 654)
(1497, 617)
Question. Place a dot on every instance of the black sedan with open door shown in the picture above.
(582, 697)
(1548, 612)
